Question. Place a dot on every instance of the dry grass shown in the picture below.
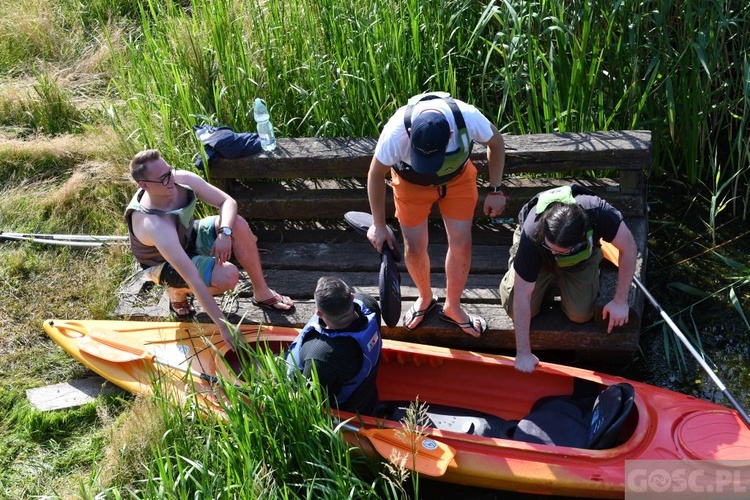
(101, 149)
(31, 29)
(131, 437)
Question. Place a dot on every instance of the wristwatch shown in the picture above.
(226, 230)
(495, 190)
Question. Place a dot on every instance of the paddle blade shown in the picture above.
(610, 252)
(110, 350)
(421, 454)
(389, 284)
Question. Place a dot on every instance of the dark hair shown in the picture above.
(333, 298)
(563, 224)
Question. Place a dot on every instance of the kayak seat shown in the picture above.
(579, 423)
(455, 419)
(609, 414)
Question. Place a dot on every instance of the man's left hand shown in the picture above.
(222, 249)
(617, 312)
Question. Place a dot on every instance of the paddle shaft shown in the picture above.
(204, 376)
(612, 254)
(84, 244)
(66, 237)
(695, 353)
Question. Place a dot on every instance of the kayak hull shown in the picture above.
(664, 426)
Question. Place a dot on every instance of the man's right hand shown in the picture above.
(229, 333)
(526, 362)
(378, 236)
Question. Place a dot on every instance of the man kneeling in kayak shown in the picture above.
(188, 255)
(342, 341)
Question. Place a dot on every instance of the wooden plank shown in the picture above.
(313, 157)
(70, 394)
(486, 259)
(301, 284)
(330, 199)
(551, 330)
(362, 257)
(350, 157)
(271, 233)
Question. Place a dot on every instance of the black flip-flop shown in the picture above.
(422, 313)
(468, 325)
(272, 303)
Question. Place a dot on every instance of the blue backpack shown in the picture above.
(223, 142)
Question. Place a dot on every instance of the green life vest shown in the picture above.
(581, 251)
(185, 214)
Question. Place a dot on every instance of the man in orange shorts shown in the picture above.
(426, 145)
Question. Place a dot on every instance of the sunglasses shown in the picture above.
(578, 247)
(163, 180)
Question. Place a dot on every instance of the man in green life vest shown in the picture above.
(188, 255)
(557, 240)
(426, 149)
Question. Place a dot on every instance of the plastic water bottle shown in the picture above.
(265, 128)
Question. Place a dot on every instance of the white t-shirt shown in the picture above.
(393, 144)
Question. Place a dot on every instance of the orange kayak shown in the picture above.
(483, 391)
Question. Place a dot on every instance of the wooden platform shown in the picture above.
(299, 222)
(293, 265)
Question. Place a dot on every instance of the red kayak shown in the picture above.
(560, 431)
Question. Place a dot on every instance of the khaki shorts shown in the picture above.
(579, 285)
(414, 202)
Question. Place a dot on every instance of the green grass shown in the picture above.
(275, 439)
(83, 85)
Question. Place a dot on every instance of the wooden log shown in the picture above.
(330, 199)
(535, 153)
(551, 330)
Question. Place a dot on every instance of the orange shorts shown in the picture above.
(414, 202)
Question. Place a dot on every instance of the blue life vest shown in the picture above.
(369, 341)
(454, 160)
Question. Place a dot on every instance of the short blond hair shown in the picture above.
(140, 162)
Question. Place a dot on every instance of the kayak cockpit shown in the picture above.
(579, 421)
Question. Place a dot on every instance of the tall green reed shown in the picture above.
(340, 69)
(326, 68)
(271, 438)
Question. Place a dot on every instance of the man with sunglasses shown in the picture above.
(188, 255)
(557, 240)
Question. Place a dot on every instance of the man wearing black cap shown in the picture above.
(426, 146)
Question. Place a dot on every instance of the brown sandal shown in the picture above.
(279, 303)
(182, 310)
